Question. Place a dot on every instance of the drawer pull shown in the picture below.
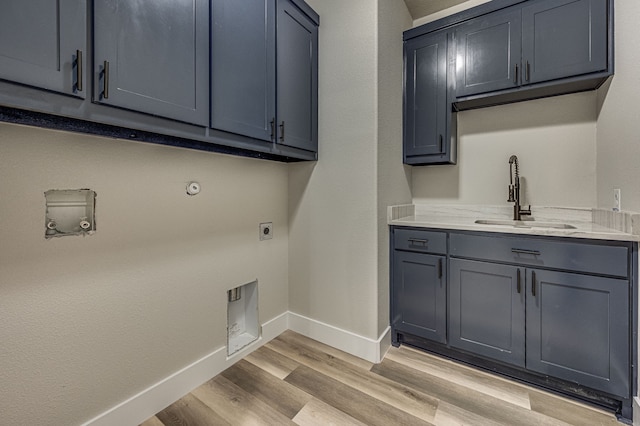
(525, 251)
(533, 283)
(418, 241)
(105, 75)
(79, 70)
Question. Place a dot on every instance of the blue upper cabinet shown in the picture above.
(153, 57)
(532, 42)
(243, 69)
(499, 52)
(264, 71)
(488, 52)
(563, 38)
(297, 76)
(43, 44)
(232, 76)
(426, 126)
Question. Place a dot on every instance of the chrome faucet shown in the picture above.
(514, 190)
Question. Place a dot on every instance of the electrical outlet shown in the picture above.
(266, 231)
(616, 200)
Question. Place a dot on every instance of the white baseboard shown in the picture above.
(140, 407)
(363, 347)
(145, 404)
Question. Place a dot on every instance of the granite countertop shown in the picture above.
(588, 223)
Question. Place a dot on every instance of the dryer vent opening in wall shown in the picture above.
(69, 212)
(242, 317)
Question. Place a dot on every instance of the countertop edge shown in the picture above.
(445, 218)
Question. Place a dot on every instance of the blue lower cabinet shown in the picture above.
(578, 329)
(487, 310)
(554, 312)
(420, 295)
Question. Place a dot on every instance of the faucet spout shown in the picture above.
(514, 189)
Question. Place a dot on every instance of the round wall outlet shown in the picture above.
(193, 188)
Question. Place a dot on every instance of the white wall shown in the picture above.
(337, 207)
(332, 204)
(618, 120)
(618, 123)
(554, 139)
(86, 322)
(394, 179)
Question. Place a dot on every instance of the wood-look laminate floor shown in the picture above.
(296, 380)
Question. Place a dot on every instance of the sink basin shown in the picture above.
(525, 224)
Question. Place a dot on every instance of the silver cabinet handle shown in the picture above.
(518, 285)
(515, 76)
(525, 251)
(418, 241)
(79, 70)
(105, 72)
(282, 131)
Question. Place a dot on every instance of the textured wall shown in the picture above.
(394, 179)
(332, 204)
(339, 272)
(86, 322)
(554, 139)
(618, 119)
(618, 126)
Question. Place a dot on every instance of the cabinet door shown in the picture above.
(578, 329)
(488, 53)
(153, 57)
(297, 81)
(40, 41)
(243, 68)
(563, 38)
(419, 303)
(425, 99)
(487, 310)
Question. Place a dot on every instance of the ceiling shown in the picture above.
(421, 8)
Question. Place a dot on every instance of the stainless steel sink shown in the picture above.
(524, 223)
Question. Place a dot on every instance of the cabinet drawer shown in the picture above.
(590, 258)
(420, 241)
